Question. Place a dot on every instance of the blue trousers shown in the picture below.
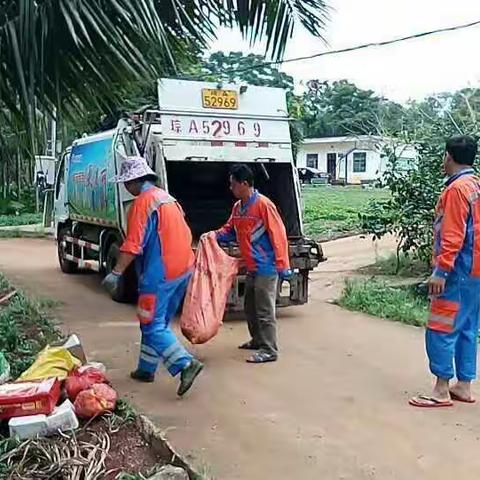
(159, 343)
(455, 353)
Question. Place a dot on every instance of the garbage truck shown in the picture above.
(191, 139)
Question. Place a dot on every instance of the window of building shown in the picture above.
(359, 162)
(404, 164)
(312, 160)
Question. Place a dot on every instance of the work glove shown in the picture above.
(286, 274)
(112, 282)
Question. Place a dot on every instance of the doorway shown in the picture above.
(332, 165)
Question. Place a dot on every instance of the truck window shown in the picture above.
(60, 176)
(126, 144)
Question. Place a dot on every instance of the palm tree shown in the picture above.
(59, 55)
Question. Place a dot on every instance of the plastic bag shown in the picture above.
(4, 369)
(96, 401)
(207, 291)
(51, 362)
(82, 379)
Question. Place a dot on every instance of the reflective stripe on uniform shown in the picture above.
(442, 319)
(174, 357)
(168, 351)
(442, 315)
(441, 323)
(149, 350)
(142, 313)
(158, 201)
(258, 233)
(149, 358)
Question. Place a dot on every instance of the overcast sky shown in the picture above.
(412, 69)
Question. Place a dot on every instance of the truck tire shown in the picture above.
(66, 266)
(127, 291)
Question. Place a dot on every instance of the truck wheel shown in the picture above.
(127, 291)
(66, 266)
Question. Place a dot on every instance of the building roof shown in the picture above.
(342, 139)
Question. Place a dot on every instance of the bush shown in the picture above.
(24, 329)
(402, 304)
(409, 212)
(21, 219)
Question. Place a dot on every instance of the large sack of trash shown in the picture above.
(81, 379)
(207, 291)
(96, 401)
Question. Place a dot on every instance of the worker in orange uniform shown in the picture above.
(454, 287)
(159, 240)
(257, 227)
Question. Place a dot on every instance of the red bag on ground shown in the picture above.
(82, 379)
(207, 291)
(95, 401)
(28, 398)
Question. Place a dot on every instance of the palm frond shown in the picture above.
(69, 55)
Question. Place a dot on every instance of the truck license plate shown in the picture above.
(222, 99)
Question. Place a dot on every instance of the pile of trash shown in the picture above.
(59, 388)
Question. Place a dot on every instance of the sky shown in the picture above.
(409, 70)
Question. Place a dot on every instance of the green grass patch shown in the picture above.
(332, 212)
(17, 233)
(25, 328)
(405, 266)
(21, 219)
(402, 304)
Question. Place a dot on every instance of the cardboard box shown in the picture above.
(74, 346)
(23, 399)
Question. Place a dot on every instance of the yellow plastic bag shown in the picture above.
(51, 362)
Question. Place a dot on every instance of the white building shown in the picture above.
(358, 157)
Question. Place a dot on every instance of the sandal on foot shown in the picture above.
(248, 346)
(262, 357)
(425, 401)
(458, 398)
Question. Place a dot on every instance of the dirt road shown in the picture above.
(333, 407)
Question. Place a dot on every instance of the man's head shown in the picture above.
(134, 187)
(241, 181)
(134, 172)
(460, 152)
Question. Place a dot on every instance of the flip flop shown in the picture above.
(458, 398)
(248, 346)
(425, 401)
(262, 357)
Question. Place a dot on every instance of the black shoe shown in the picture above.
(143, 376)
(188, 376)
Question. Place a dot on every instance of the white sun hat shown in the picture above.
(133, 168)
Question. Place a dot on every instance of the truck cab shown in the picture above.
(194, 137)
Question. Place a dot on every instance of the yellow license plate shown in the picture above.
(222, 99)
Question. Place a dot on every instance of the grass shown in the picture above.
(402, 304)
(332, 212)
(17, 233)
(25, 329)
(407, 266)
(21, 219)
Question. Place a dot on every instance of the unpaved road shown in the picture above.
(333, 407)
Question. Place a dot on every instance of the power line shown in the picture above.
(359, 47)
